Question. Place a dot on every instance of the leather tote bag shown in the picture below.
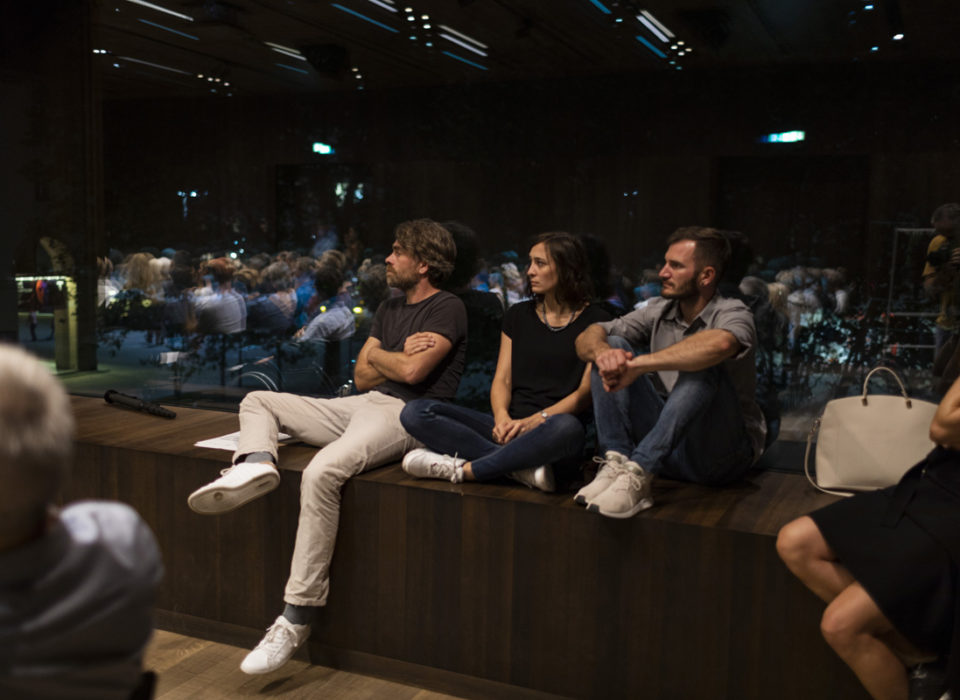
(868, 442)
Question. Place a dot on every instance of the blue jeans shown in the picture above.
(697, 434)
(455, 430)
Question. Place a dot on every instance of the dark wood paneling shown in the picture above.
(493, 582)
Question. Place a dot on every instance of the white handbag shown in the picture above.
(868, 443)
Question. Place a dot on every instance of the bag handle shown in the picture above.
(903, 389)
(806, 463)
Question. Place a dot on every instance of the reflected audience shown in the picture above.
(219, 308)
(77, 585)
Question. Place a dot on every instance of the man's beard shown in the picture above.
(687, 291)
(398, 281)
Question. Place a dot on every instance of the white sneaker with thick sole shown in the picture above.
(627, 495)
(424, 464)
(611, 464)
(237, 485)
(540, 478)
(275, 649)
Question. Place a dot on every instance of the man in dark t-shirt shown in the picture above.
(416, 349)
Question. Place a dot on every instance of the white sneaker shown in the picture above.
(627, 495)
(540, 478)
(237, 485)
(424, 464)
(275, 649)
(611, 464)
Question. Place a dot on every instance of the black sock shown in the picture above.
(299, 614)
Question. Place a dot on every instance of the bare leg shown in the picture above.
(852, 625)
(807, 554)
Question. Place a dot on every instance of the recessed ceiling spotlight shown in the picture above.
(355, 69)
(898, 36)
(688, 49)
(424, 16)
(200, 75)
(426, 26)
(411, 18)
(874, 48)
(674, 47)
(408, 9)
(869, 6)
(679, 43)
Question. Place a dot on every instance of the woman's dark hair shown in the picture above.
(574, 286)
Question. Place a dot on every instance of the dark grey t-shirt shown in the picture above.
(444, 314)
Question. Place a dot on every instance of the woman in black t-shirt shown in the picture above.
(540, 391)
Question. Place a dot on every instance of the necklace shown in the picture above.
(556, 329)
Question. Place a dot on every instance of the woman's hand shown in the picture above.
(418, 342)
(507, 430)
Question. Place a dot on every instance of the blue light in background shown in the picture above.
(784, 137)
(600, 6)
(168, 29)
(467, 61)
(364, 17)
(296, 70)
(650, 46)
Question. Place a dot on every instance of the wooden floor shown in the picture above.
(188, 668)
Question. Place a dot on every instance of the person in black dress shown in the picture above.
(885, 562)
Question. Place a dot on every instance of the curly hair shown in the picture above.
(430, 243)
(574, 285)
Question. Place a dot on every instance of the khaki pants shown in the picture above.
(356, 433)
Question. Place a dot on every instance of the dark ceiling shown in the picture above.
(223, 47)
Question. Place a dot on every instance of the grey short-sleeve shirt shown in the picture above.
(660, 324)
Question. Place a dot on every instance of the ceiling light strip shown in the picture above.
(168, 29)
(385, 6)
(451, 30)
(657, 22)
(299, 56)
(464, 44)
(465, 60)
(653, 29)
(650, 46)
(600, 6)
(364, 17)
(154, 65)
(158, 8)
(293, 68)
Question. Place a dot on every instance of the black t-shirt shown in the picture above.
(444, 314)
(545, 366)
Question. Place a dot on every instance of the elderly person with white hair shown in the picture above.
(76, 585)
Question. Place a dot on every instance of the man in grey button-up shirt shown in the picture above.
(685, 407)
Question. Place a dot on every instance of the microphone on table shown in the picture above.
(115, 397)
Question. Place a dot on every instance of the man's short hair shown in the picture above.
(712, 247)
(36, 436)
(430, 243)
(946, 212)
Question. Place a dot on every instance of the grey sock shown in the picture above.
(264, 457)
(299, 614)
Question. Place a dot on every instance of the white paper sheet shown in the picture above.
(231, 440)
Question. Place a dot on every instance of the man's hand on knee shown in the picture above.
(613, 366)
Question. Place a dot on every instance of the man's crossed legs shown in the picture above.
(357, 433)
